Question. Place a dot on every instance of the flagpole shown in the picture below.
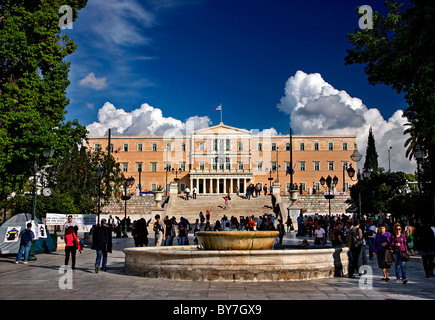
(291, 159)
(221, 113)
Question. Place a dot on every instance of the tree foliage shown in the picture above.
(33, 83)
(399, 51)
(371, 161)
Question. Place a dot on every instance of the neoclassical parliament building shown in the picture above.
(222, 159)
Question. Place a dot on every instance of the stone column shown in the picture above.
(231, 185)
(211, 185)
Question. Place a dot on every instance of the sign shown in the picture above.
(59, 219)
(12, 234)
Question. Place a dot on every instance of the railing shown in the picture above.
(221, 171)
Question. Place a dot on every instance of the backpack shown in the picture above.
(26, 237)
(357, 239)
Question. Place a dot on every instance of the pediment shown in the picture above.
(222, 129)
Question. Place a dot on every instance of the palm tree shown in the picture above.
(413, 139)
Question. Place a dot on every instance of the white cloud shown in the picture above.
(316, 107)
(145, 121)
(91, 81)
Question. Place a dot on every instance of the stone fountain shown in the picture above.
(236, 256)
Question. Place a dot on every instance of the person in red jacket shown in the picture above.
(71, 246)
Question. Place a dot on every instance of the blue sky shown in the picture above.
(184, 58)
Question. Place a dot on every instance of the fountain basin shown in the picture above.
(236, 240)
(189, 263)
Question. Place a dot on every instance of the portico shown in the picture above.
(215, 182)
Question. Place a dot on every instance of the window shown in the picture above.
(330, 146)
(125, 147)
(227, 144)
(259, 146)
(183, 146)
(97, 147)
(183, 166)
(215, 144)
(274, 165)
(346, 186)
(153, 166)
(215, 161)
(302, 146)
(303, 186)
(124, 167)
(168, 166)
(287, 146)
(240, 165)
(345, 164)
(331, 165)
(302, 165)
(240, 146)
(316, 185)
(345, 146)
(273, 146)
(168, 146)
(259, 166)
(221, 144)
(201, 146)
(139, 147)
(201, 166)
(316, 165)
(153, 187)
(221, 163)
(154, 147)
(227, 163)
(139, 167)
(182, 187)
(316, 146)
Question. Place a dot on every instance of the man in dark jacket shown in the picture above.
(102, 243)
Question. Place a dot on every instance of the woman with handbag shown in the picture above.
(400, 252)
(71, 246)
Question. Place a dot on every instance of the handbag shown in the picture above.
(404, 256)
(388, 257)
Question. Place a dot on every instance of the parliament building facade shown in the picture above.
(224, 159)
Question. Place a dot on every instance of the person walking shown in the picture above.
(400, 251)
(26, 237)
(371, 233)
(159, 231)
(380, 246)
(71, 246)
(281, 229)
(194, 193)
(187, 191)
(424, 243)
(226, 203)
(102, 244)
(354, 242)
(182, 234)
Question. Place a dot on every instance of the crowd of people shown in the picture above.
(390, 242)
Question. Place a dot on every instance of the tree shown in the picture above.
(371, 161)
(33, 83)
(399, 52)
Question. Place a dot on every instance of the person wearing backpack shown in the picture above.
(26, 237)
(355, 242)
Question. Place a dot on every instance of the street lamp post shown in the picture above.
(127, 184)
(47, 153)
(99, 173)
(418, 154)
(330, 182)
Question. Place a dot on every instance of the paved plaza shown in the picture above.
(42, 280)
